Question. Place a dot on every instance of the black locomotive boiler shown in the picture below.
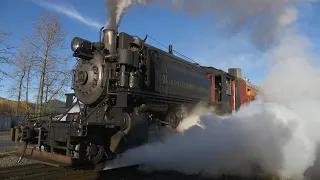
(126, 87)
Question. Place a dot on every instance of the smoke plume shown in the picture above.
(267, 19)
(116, 9)
(277, 133)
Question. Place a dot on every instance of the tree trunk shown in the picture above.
(19, 92)
(43, 73)
(38, 98)
(27, 88)
(41, 86)
(47, 88)
(46, 92)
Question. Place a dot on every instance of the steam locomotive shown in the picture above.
(126, 87)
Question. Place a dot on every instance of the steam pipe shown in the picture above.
(149, 60)
(149, 83)
(100, 34)
(170, 49)
(151, 107)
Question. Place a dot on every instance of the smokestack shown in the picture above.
(110, 40)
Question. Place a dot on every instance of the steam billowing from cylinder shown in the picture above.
(277, 133)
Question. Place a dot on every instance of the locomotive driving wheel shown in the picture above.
(91, 150)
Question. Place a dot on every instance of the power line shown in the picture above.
(178, 53)
(172, 50)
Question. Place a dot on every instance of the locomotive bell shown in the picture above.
(110, 40)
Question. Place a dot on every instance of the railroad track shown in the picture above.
(48, 171)
(41, 171)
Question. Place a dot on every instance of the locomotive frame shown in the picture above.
(128, 86)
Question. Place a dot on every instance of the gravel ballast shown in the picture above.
(6, 147)
(4, 138)
(11, 160)
(7, 160)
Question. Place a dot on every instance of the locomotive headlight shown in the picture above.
(81, 44)
(75, 43)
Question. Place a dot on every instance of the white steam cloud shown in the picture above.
(116, 9)
(268, 19)
(277, 133)
(265, 136)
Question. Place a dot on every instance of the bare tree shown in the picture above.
(4, 47)
(48, 40)
(56, 79)
(22, 73)
(29, 73)
(55, 82)
(22, 64)
(5, 53)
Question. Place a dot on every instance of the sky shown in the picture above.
(195, 37)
